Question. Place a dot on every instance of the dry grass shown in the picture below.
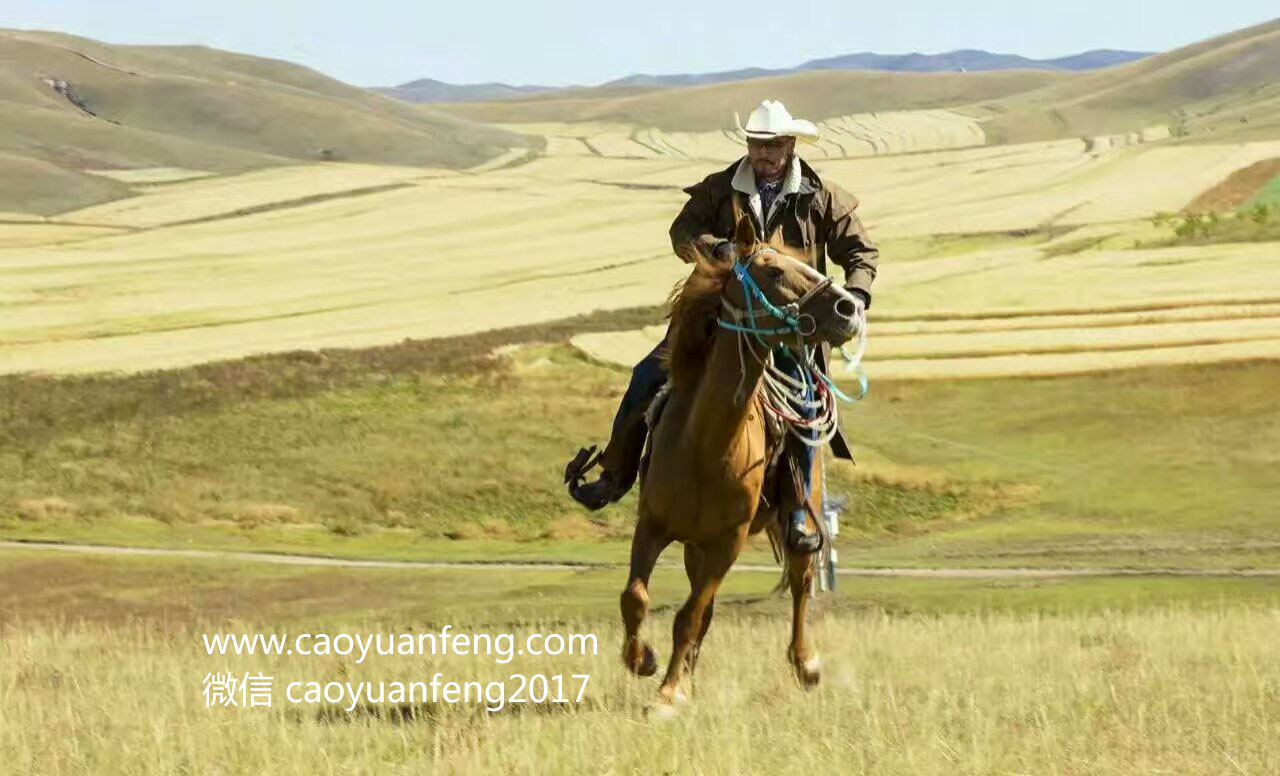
(152, 175)
(842, 137)
(191, 199)
(1176, 691)
(130, 107)
(1213, 90)
(1073, 340)
(813, 95)
(293, 259)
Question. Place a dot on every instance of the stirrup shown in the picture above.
(576, 470)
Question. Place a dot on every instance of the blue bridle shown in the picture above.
(792, 320)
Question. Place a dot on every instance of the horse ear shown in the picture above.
(744, 235)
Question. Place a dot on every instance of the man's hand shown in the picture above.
(859, 306)
(862, 297)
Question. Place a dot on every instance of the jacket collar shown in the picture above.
(800, 179)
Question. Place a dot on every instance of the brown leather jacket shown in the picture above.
(816, 218)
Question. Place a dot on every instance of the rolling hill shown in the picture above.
(814, 95)
(1224, 87)
(68, 105)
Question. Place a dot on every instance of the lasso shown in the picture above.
(787, 399)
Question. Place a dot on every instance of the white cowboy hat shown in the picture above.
(771, 119)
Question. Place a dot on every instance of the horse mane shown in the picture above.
(693, 308)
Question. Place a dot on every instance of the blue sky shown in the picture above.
(558, 42)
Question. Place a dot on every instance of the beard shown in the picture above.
(769, 173)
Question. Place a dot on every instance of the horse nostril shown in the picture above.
(845, 308)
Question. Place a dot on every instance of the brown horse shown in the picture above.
(708, 454)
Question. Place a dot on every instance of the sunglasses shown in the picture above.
(773, 144)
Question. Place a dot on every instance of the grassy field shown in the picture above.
(922, 676)
(435, 450)
(1268, 195)
(218, 343)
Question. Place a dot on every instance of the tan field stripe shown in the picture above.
(1067, 364)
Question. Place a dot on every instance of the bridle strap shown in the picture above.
(790, 314)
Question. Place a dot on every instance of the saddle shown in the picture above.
(780, 471)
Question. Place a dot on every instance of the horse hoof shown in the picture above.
(809, 673)
(649, 665)
(672, 698)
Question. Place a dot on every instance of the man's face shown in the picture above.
(769, 158)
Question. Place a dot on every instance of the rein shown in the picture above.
(784, 397)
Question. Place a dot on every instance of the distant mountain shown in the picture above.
(965, 59)
(1096, 59)
(428, 90)
(431, 90)
(952, 61)
(971, 59)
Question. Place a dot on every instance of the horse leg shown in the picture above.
(646, 546)
(714, 563)
(692, 560)
(800, 570)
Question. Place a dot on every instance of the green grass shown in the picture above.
(1145, 451)
(47, 586)
(434, 449)
(1268, 195)
(1255, 222)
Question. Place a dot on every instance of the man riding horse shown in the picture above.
(789, 204)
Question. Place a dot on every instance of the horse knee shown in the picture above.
(634, 600)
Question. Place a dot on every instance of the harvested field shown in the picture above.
(145, 175)
(842, 137)
(346, 255)
(1026, 345)
(1084, 362)
(187, 201)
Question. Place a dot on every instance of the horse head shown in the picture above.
(779, 297)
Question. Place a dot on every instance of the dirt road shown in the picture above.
(934, 573)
